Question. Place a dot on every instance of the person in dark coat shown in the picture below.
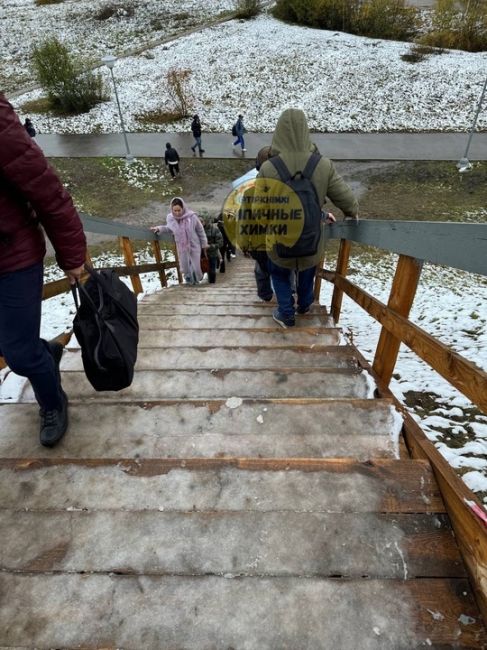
(196, 130)
(31, 196)
(171, 158)
(29, 127)
(240, 130)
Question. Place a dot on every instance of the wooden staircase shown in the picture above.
(248, 491)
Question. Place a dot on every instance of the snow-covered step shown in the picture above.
(187, 358)
(257, 485)
(360, 429)
(208, 384)
(134, 611)
(263, 337)
(206, 321)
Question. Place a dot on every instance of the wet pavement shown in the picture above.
(338, 146)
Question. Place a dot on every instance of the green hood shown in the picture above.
(291, 134)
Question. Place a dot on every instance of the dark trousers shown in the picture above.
(212, 263)
(20, 343)
(262, 276)
(174, 169)
(282, 282)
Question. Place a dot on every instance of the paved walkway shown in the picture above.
(338, 146)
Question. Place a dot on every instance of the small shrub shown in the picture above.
(182, 15)
(374, 18)
(39, 3)
(419, 52)
(459, 24)
(246, 9)
(389, 19)
(177, 83)
(70, 88)
(115, 10)
(158, 116)
(41, 105)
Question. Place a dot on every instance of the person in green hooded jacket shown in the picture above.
(292, 143)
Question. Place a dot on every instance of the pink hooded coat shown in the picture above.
(190, 238)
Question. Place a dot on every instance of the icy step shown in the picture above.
(272, 336)
(207, 384)
(360, 429)
(206, 612)
(243, 543)
(186, 358)
(219, 485)
(191, 321)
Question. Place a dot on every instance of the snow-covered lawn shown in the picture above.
(259, 67)
(136, 24)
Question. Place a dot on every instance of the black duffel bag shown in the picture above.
(107, 329)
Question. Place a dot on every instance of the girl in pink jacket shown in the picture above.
(189, 236)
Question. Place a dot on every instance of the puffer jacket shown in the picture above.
(32, 195)
(292, 143)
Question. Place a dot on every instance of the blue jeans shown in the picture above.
(282, 283)
(240, 141)
(20, 343)
(197, 143)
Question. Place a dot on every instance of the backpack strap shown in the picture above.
(284, 172)
(281, 168)
(310, 167)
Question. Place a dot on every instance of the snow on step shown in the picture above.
(302, 428)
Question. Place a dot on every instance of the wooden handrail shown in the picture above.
(458, 371)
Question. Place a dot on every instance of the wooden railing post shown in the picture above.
(156, 247)
(128, 254)
(176, 257)
(401, 298)
(341, 269)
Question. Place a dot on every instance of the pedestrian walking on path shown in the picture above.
(31, 196)
(171, 158)
(239, 130)
(189, 236)
(29, 127)
(196, 130)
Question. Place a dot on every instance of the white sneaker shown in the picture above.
(244, 149)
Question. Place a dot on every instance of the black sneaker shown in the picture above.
(54, 424)
(283, 322)
(303, 310)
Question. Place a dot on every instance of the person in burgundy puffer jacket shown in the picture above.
(31, 196)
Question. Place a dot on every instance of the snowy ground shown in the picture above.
(136, 24)
(259, 67)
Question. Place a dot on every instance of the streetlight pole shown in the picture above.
(109, 60)
(464, 164)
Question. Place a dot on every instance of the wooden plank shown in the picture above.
(206, 384)
(470, 531)
(341, 268)
(195, 428)
(250, 543)
(190, 322)
(156, 249)
(129, 257)
(262, 337)
(209, 357)
(203, 613)
(403, 290)
(461, 373)
(220, 484)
